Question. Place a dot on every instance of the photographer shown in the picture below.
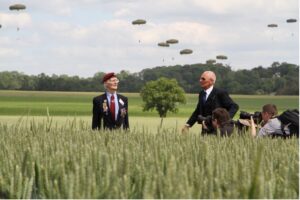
(221, 122)
(271, 125)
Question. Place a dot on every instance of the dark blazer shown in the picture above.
(101, 116)
(217, 98)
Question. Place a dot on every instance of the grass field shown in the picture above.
(59, 156)
(33, 103)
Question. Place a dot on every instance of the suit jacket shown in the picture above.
(217, 98)
(102, 114)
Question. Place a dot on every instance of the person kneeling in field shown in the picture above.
(271, 125)
(110, 108)
(221, 122)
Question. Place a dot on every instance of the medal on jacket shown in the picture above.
(104, 105)
(123, 112)
(121, 102)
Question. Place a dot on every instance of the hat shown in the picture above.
(108, 76)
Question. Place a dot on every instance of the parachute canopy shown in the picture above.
(211, 61)
(186, 51)
(272, 25)
(291, 20)
(163, 44)
(139, 22)
(172, 41)
(221, 57)
(17, 7)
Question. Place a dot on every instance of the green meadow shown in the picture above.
(35, 103)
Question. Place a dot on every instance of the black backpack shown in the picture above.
(290, 118)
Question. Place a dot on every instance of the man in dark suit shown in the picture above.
(210, 98)
(110, 108)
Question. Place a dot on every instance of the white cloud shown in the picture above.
(123, 12)
(15, 19)
(4, 52)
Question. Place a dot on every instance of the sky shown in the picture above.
(83, 37)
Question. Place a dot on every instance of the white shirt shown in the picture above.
(108, 95)
(273, 126)
(208, 91)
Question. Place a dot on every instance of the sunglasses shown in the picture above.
(202, 79)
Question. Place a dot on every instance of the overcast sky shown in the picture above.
(83, 37)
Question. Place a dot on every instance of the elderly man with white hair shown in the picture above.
(110, 108)
(210, 98)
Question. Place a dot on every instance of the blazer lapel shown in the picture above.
(120, 107)
(211, 96)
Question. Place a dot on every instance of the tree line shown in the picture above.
(277, 79)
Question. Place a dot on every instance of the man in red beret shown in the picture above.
(110, 108)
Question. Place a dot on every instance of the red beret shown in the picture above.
(108, 76)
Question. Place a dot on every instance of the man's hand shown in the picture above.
(185, 129)
(204, 125)
(253, 127)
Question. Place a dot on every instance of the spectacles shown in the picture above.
(114, 81)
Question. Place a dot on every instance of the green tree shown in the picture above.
(163, 95)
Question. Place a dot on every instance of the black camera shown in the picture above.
(206, 119)
(208, 122)
(256, 116)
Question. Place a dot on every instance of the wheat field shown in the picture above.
(48, 150)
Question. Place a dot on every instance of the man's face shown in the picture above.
(112, 84)
(266, 116)
(215, 123)
(205, 81)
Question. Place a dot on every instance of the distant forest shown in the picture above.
(278, 79)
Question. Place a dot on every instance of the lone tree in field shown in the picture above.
(164, 95)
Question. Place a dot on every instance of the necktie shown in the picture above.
(203, 97)
(112, 107)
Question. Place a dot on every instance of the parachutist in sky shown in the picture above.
(186, 51)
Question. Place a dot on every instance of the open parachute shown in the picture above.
(221, 57)
(211, 61)
(163, 44)
(172, 41)
(139, 22)
(272, 25)
(17, 7)
(186, 51)
(291, 20)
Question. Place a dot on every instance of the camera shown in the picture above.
(256, 116)
(208, 122)
(206, 119)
